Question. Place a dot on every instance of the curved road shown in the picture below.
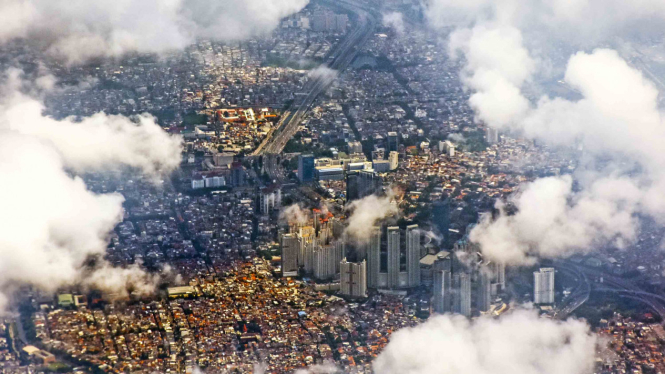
(611, 284)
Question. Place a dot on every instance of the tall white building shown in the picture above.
(442, 279)
(462, 295)
(353, 278)
(413, 255)
(290, 253)
(271, 200)
(543, 286)
(393, 246)
(394, 160)
(484, 294)
(372, 252)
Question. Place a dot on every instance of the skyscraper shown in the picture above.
(353, 278)
(441, 273)
(326, 261)
(413, 255)
(306, 168)
(271, 199)
(393, 246)
(543, 286)
(484, 292)
(290, 249)
(393, 142)
(362, 183)
(462, 295)
(373, 253)
(394, 160)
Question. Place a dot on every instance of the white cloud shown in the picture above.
(326, 368)
(394, 20)
(366, 212)
(617, 120)
(497, 65)
(618, 112)
(78, 29)
(553, 221)
(294, 214)
(509, 44)
(323, 73)
(517, 343)
(52, 224)
(581, 22)
(98, 142)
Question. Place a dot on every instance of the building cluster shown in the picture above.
(9, 359)
(313, 244)
(231, 130)
(633, 347)
(399, 117)
(462, 282)
(163, 226)
(318, 19)
(234, 318)
(219, 170)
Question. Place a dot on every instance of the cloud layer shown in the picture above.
(52, 224)
(94, 143)
(517, 343)
(506, 46)
(78, 30)
(367, 212)
(617, 120)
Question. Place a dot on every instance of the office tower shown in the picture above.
(413, 255)
(353, 278)
(393, 246)
(462, 295)
(393, 142)
(492, 135)
(306, 168)
(381, 166)
(543, 286)
(362, 183)
(369, 183)
(484, 291)
(373, 254)
(394, 160)
(352, 180)
(441, 272)
(290, 252)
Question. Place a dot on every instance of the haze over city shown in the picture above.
(319, 186)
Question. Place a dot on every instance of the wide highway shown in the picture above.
(342, 56)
